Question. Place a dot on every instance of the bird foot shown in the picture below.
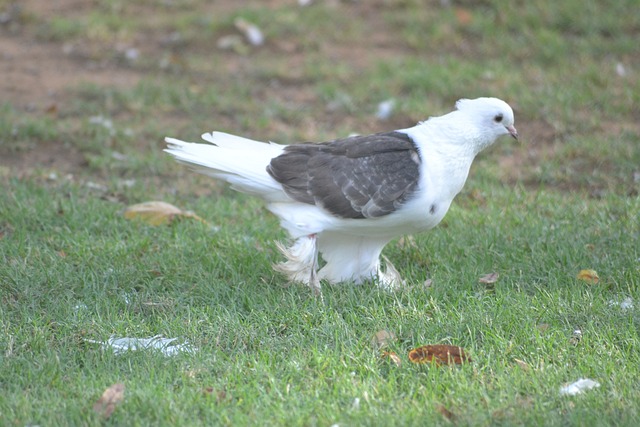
(389, 279)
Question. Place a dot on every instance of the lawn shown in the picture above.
(90, 92)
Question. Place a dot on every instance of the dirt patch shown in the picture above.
(47, 156)
(39, 74)
(36, 74)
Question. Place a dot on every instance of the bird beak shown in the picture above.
(513, 132)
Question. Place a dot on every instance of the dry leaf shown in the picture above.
(589, 276)
(440, 354)
(463, 16)
(382, 338)
(524, 365)
(490, 278)
(109, 399)
(392, 356)
(52, 109)
(158, 213)
(445, 412)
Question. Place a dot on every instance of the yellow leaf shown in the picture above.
(158, 213)
(109, 399)
(392, 356)
(589, 276)
(440, 354)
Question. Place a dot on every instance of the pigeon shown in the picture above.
(342, 201)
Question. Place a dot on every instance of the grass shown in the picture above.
(74, 270)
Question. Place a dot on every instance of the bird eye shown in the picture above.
(498, 118)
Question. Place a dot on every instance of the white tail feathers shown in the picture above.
(239, 161)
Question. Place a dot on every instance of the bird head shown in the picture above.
(492, 116)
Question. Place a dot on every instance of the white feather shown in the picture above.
(239, 161)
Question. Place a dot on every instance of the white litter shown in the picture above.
(251, 31)
(578, 387)
(101, 121)
(356, 404)
(167, 346)
(625, 304)
(385, 109)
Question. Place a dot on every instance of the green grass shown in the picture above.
(72, 269)
(280, 356)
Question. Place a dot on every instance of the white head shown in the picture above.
(492, 116)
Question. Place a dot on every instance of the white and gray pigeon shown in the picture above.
(346, 199)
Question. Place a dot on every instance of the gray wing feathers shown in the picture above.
(357, 177)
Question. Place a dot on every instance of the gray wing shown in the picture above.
(357, 177)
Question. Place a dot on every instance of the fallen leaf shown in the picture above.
(490, 278)
(524, 365)
(393, 357)
(52, 109)
(382, 339)
(445, 412)
(109, 399)
(578, 387)
(589, 276)
(463, 16)
(158, 213)
(440, 354)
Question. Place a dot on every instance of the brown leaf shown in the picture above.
(463, 16)
(392, 356)
(158, 213)
(382, 339)
(440, 354)
(109, 399)
(589, 276)
(490, 278)
(445, 412)
(51, 109)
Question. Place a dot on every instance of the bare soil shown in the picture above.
(39, 73)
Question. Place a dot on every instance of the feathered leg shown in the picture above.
(389, 279)
(355, 258)
(301, 263)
